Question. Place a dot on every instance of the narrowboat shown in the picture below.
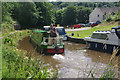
(106, 41)
(43, 43)
(60, 31)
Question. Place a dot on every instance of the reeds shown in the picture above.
(109, 72)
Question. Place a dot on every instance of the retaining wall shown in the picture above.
(76, 40)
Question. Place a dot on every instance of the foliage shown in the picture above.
(6, 12)
(109, 19)
(109, 71)
(87, 4)
(7, 21)
(113, 17)
(35, 15)
(17, 65)
(59, 16)
(7, 27)
(47, 13)
(25, 14)
(83, 14)
(69, 15)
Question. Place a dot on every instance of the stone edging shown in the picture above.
(76, 40)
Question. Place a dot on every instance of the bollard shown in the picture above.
(72, 34)
(77, 35)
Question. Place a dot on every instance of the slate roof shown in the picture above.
(109, 10)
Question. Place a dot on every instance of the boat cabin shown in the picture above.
(117, 31)
(60, 30)
(100, 35)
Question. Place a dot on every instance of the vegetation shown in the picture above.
(35, 15)
(69, 16)
(7, 21)
(86, 33)
(109, 71)
(16, 64)
(85, 4)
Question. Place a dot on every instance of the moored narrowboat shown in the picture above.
(106, 41)
(43, 43)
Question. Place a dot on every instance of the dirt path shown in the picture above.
(78, 29)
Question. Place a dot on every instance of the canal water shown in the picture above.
(75, 62)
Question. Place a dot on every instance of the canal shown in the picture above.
(75, 62)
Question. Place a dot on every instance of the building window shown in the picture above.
(98, 15)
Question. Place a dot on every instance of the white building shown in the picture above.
(99, 14)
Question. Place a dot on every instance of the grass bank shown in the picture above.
(86, 33)
(15, 63)
(6, 28)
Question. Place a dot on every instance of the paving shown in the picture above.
(78, 29)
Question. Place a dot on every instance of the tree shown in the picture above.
(83, 14)
(62, 5)
(69, 15)
(6, 11)
(47, 13)
(59, 16)
(26, 14)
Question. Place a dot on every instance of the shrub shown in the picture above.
(109, 19)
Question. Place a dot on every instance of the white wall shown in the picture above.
(93, 17)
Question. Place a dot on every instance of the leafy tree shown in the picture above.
(69, 15)
(83, 14)
(26, 14)
(59, 16)
(6, 11)
(47, 13)
(62, 5)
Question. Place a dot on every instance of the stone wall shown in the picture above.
(76, 40)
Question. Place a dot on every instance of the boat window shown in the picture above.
(118, 33)
(100, 36)
(59, 29)
(47, 29)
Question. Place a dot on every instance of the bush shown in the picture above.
(109, 19)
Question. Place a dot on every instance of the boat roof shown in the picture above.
(102, 32)
(46, 26)
(38, 30)
(117, 27)
(56, 27)
(60, 27)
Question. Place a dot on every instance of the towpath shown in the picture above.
(78, 29)
(8, 34)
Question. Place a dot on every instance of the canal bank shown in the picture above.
(76, 40)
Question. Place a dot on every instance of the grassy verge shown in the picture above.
(16, 64)
(87, 33)
(6, 28)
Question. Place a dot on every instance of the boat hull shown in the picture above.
(47, 49)
(102, 47)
